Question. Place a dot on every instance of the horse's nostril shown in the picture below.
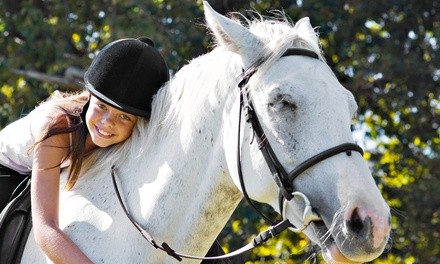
(358, 226)
(355, 223)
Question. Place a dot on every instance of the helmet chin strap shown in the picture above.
(309, 214)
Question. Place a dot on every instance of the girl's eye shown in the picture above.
(125, 117)
(101, 106)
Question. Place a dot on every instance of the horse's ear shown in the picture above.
(233, 36)
(307, 32)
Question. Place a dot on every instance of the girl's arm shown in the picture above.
(48, 156)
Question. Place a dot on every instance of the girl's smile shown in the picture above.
(103, 133)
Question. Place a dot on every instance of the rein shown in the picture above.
(283, 179)
(262, 237)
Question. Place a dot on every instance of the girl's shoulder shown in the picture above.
(46, 118)
(59, 111)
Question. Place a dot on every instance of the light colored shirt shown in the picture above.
(16, 141)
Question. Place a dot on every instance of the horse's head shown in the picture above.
(304, 111)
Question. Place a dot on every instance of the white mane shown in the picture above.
(190, 88)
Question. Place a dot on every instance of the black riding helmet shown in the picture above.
(126, 74)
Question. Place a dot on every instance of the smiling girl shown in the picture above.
(66, 128)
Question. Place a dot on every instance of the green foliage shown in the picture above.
(49, 37)
(387, 54)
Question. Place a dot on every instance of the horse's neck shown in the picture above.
(185, 192)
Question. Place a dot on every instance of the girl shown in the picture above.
(66, 128)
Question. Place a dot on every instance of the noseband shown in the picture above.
(283, 179)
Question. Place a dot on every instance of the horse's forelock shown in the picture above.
(278, 34)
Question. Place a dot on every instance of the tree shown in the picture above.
(390, 62)
(386, 54)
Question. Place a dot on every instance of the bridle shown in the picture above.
(283, 179)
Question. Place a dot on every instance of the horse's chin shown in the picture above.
(333, 255)
(329, 248)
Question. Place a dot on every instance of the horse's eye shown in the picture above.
(282, 104)
(288, 105)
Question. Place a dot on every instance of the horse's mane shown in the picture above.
(221, 68)
(203, 81)
(278, 32)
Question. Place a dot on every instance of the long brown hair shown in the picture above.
(68, 106)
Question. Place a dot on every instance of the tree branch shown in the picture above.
(71, 81)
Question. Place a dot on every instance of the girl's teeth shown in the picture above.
(103, 132)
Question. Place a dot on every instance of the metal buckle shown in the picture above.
(309, 214)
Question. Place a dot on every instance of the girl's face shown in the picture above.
(108, 125)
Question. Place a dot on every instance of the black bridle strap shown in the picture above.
(276, 169)
(307, 164)
(244, 104)
(346, 147)
(280, 176)
(278, 173)
(262, 237)
(300, 52)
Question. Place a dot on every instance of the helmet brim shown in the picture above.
(114, 103)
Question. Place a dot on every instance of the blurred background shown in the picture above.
(386, 53)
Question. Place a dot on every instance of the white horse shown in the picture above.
(178, 173)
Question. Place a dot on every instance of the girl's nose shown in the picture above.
(108, 120)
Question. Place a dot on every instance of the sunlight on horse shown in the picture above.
(178, 172)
